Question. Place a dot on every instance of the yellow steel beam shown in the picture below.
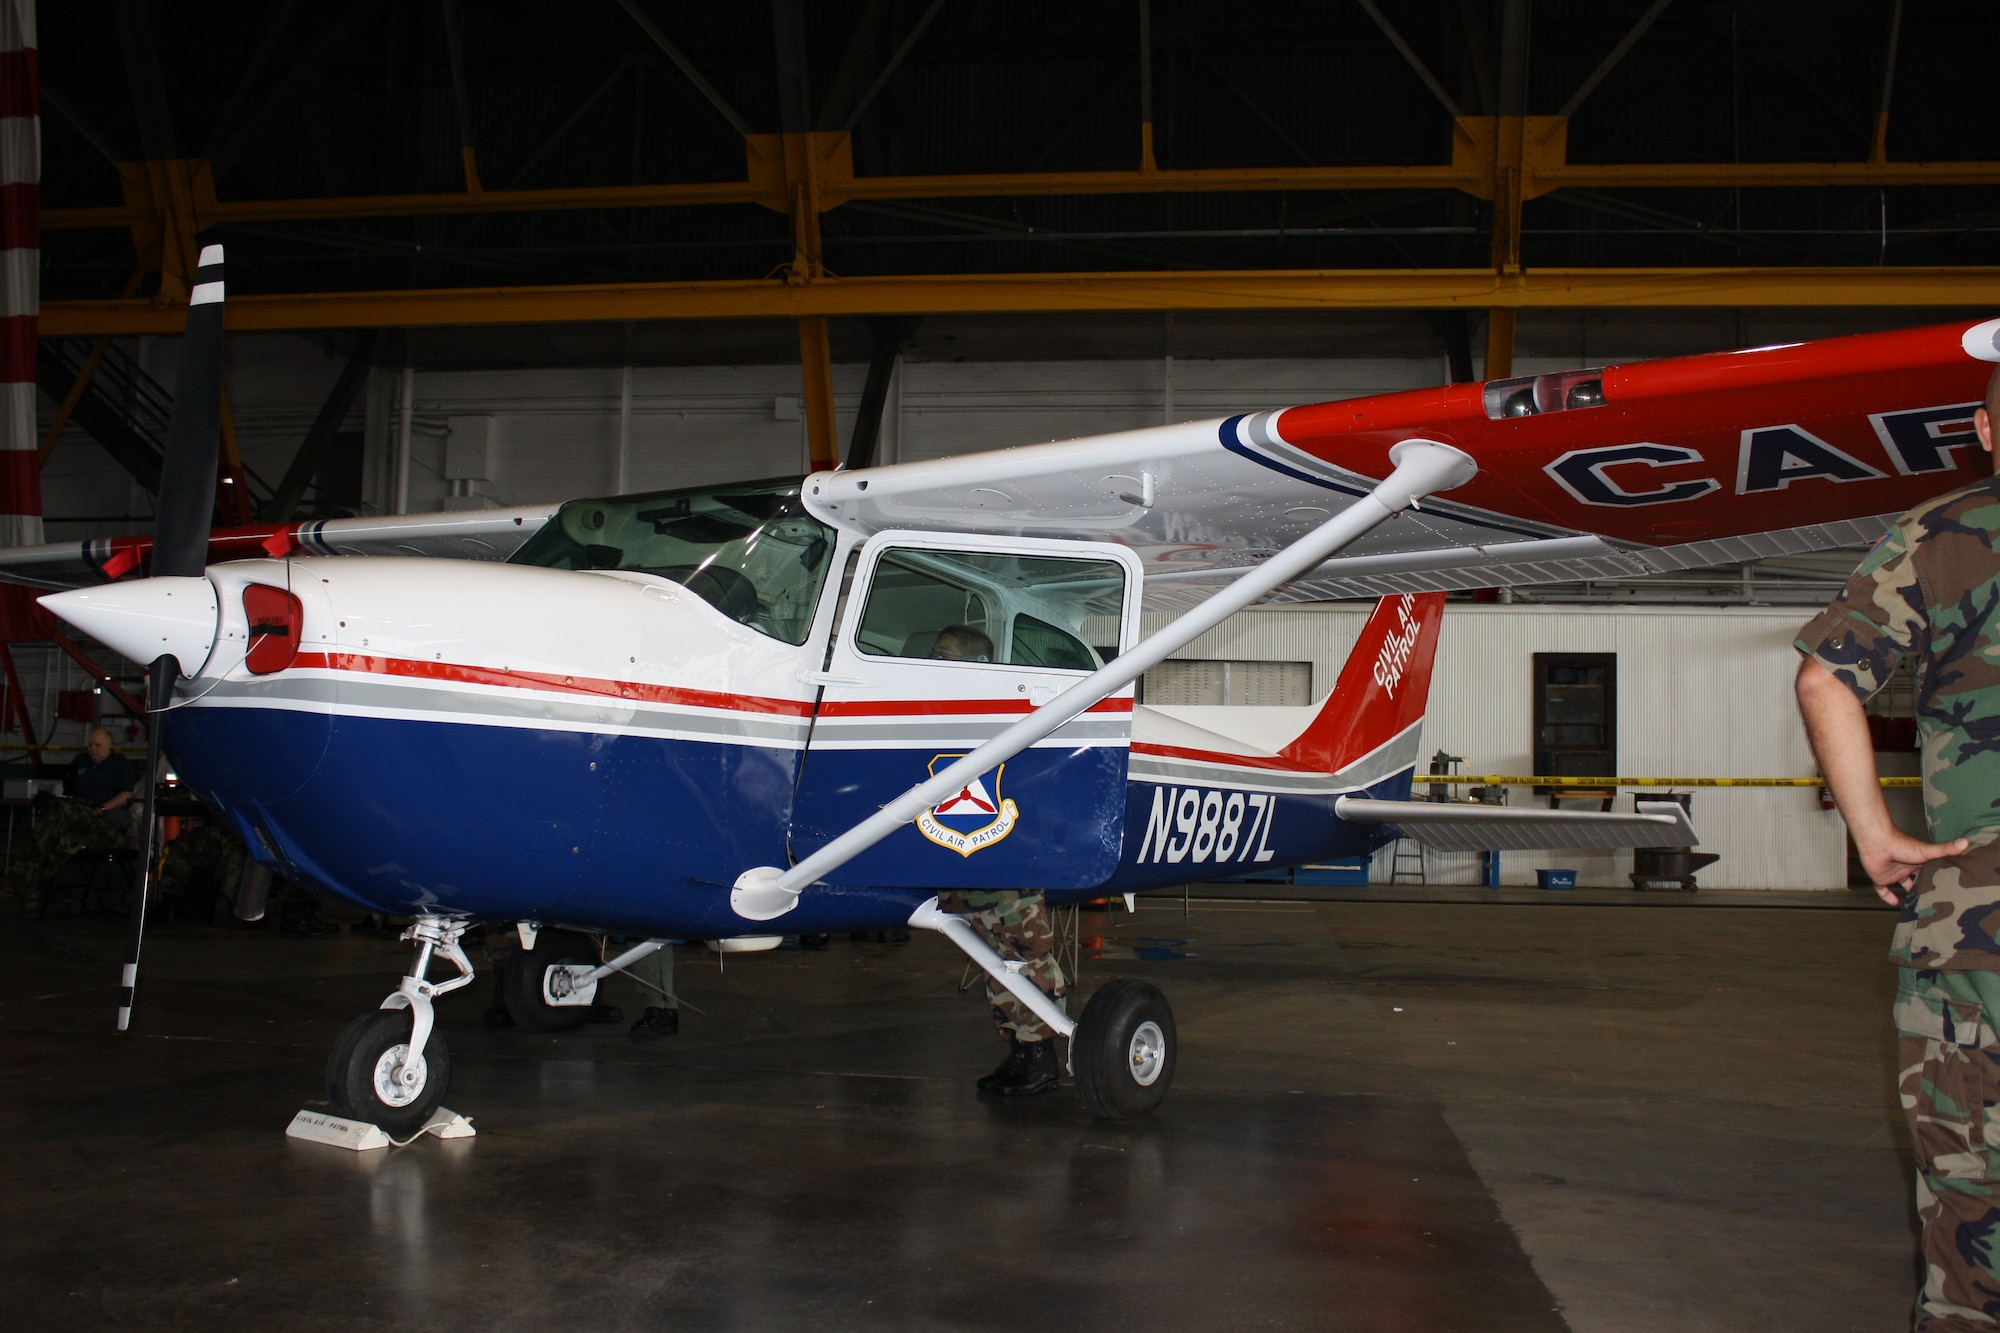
(163, 206)
(777, 298)
(1749, 175)
(1510, 145)
(767, 181)
(816, 367)
(427, 205)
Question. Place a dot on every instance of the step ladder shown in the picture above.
(1407, 860)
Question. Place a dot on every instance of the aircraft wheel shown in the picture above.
(1123, 1049)
(361, 1074)
(521, 983)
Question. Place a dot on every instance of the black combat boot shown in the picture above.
(496, 1012)
(1030, 1067)
(1010, 1068)
(657, 1022)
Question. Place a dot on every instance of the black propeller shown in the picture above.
(180, 547)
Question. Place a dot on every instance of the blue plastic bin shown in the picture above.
(1555, 879)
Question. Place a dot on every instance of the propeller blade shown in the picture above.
(159, 693)
(187, 474)
(180, 549)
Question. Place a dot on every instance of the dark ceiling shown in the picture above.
(358, 98)
(293, 99)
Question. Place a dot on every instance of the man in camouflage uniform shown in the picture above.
(1931, 589)
(1017, 925)
(205, 861)
(63, 827)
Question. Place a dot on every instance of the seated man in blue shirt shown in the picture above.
(103, 777)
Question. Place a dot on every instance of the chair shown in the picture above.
(93, 880)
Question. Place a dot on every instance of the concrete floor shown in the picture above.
(1388, 1116)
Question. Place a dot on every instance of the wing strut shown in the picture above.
(1422, 466)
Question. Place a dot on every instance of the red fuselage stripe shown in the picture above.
(941, 707)
(641, 692)
(1228, 760)
(638, 691)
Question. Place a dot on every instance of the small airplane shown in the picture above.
(815, 704)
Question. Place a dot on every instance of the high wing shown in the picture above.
(1615, 472)
(482, 534)
(1599, 473)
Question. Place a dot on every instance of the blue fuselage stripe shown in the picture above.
(643, 834)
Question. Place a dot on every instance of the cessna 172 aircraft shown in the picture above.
(718, 713)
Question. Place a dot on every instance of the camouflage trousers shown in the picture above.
(1948, 1052)
(1017, 925)
(63, 827)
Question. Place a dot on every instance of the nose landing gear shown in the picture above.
(390, 1068)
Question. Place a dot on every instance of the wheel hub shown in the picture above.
(1147, 1053)
(398, 1083)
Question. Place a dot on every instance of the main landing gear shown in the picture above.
(1122, 1049)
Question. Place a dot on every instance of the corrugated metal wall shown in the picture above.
(1701, 693)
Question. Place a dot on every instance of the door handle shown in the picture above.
(828, 678)
(1041, 694)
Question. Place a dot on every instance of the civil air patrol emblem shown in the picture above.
(974, 819)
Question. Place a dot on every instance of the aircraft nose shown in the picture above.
(146, 619)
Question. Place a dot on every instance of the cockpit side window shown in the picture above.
(982, 606)
(750, 550)
(911, 604)
(1038, 643)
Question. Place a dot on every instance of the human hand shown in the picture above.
(1893, 861)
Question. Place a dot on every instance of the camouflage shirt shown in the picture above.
(1931, 588)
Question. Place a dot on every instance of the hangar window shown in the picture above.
(1576, 715)
(1021, 610)
(750, 550)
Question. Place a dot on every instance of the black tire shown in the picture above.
(1123, 1049)
(521, 983)
(363, 1053)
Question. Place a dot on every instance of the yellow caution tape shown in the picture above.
(1518, 780)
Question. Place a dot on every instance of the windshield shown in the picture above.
(750, 550)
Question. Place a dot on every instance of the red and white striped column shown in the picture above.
(20, 276)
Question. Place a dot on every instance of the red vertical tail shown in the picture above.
(1383, 687)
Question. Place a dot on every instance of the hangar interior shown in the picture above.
(486, 256)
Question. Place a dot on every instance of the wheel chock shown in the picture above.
(319, 1127)
(448, 1124)
(355, 1136)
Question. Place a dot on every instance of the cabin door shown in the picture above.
(947, 640)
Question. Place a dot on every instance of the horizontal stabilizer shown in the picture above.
(1451, 827)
